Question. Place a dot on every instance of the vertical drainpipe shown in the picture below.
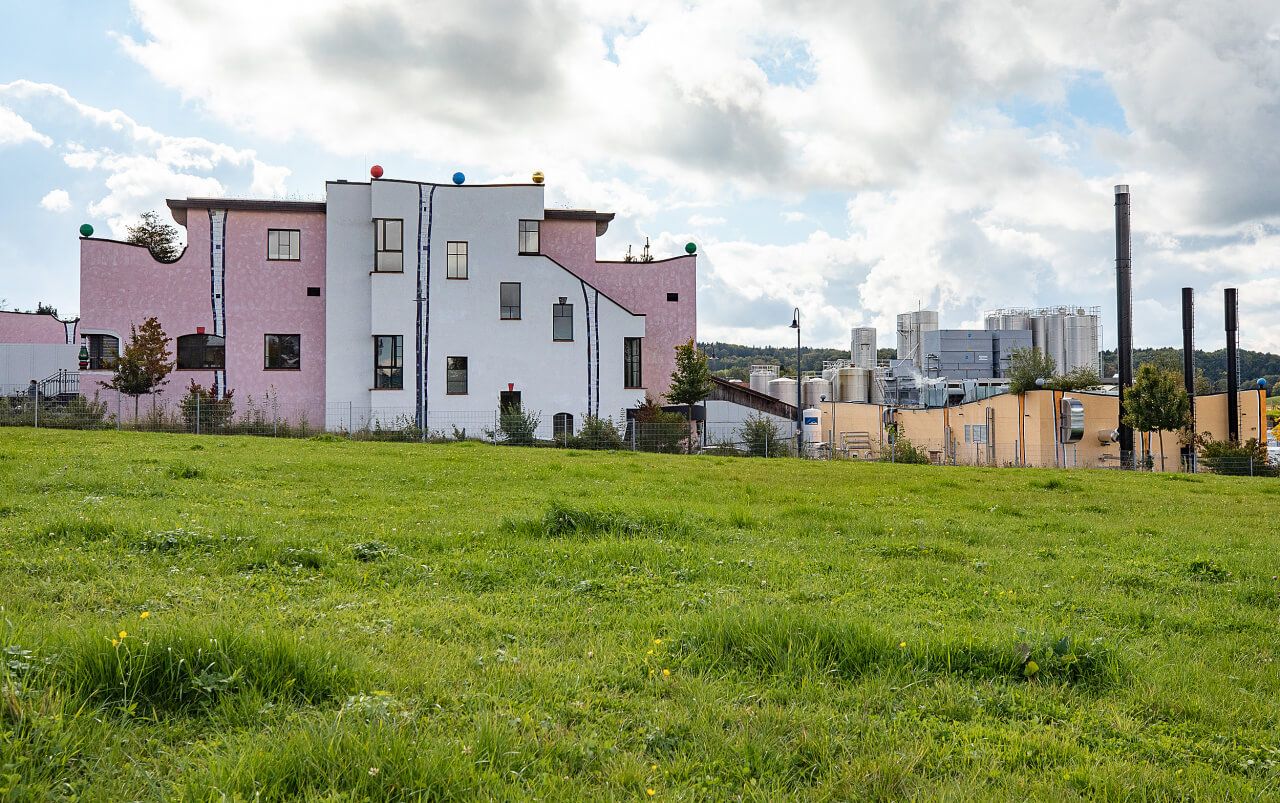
(1124, 310)
(1232, 304)
(1188, 362)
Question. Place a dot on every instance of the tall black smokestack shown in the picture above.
(1124, 309)
(1188, 360)
(1233, 367)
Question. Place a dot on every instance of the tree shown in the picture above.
(1079, 378)
(159, 237)
(142, 369)
(1156, 403)
(691, 381)
(46, 309)
(1026, 366)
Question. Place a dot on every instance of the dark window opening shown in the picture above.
(562, 424)
(509, 301)
(509, 401)
(455, 376)
(282, 352)
(562, 321)
(313, 291)
(197, 352)
(631, 362)
(388, 361)
(103, 351)
(673, 296)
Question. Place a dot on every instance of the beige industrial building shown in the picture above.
(1026, 430)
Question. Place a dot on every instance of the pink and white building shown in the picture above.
(35, 346)
(397, 300)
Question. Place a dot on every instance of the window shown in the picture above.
(457, 260)
(313, 291)
(284, 244)
(455, 376)
(631, 362)
(201, 351)
(103, 351)
(282, 353)
(562, 424)
(388, 362)
(388, 245)
(562, 321)
(509, 301)
(673, 296)
(529, 237)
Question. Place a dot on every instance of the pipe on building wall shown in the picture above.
(1124, 309)
(1232, 310)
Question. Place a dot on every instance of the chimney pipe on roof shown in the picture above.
(1124, 311)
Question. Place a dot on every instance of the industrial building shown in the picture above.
(1068, 335)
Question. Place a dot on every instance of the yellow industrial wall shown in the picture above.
(1023, 430)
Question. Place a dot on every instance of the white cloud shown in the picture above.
(14, 130)
(701, 221)
(56, 201)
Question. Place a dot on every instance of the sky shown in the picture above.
(851, 159)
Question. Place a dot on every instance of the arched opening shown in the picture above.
(562, 424)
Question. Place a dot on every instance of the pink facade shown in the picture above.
(121, 285)
(641, 287)
(28, 327)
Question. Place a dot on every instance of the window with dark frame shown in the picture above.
(529, 237)
(509, 301)
(562, 321)
(201, 351)
(456, 260)
(562, 424)
(284, 244)
(313, 291)
(388, 245)
(455, 376)
(388, 362)
(631, 362)
(104, 350)
(673, 296)
(282, 352)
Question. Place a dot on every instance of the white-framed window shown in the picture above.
(456, 260)
(388, 245)
(284, 244)
(529, 237)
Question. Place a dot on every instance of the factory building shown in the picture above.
(1069, 335)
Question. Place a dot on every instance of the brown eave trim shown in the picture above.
(577, 214)
(179, 206)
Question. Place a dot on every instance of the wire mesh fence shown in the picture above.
(59, 406)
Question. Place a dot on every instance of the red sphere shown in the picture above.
(376, 171)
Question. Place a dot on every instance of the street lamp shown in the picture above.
(795, 324)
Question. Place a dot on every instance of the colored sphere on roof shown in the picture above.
(86, 230)
(689, 248)
(376, 171)
(1262, 383)
(458, 178)
(538, 177)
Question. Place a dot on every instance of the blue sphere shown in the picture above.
(1262, 383)
(458, 178)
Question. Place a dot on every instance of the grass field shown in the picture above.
(216, 618)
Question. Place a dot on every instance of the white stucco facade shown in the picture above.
(460, 317)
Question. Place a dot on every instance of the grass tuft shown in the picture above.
(562, 521)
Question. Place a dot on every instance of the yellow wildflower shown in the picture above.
(657, 641)
(144, 614)
(902, 643)
(651, 792)
(666, 672)
(123, 634)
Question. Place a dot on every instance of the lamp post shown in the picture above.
(795, 324)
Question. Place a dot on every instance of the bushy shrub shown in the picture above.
(1240, 459)
(518, 424)
(202, 403)
(657, 430)
(763, 438)
(904, 451)
(597, 433)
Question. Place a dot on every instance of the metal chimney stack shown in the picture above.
(1188, 360)
(1233, 367)
(1124, 310)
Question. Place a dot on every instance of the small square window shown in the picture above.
(282, 353)
(673, 296)
(529, 237)
(313, 291)
(284, 244)
(509, 301)
(457, 260)
(455, 376)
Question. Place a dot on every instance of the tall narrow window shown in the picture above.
(457, 260)
(509, 301)
(284, 244)
(631, 362)
(562, 321)
(388, 361)
(103, 351)
(562, 424)
(455, 376)
(388, 245)
(282, 352)
(529, 237)
(201, 351)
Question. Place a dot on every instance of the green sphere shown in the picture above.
(86, 230)
(689, 248)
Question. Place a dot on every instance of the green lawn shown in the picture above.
(339, 621)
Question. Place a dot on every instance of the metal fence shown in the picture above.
(23, 405)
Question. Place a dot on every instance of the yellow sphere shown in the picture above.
(538, 177)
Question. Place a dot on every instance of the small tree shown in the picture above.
(159, 237)
(656, 429)
(691, 381)
(46, 309)
(1079, 378)
(203, 411)
(142, 369)
(1026, 366)
(1156, 403)
(518, 424)
(763, 438)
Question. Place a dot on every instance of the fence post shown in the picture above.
(117, 409)
(497, 416)
(634, 424)
(198, 395)
(351, 426)
(1250, 465)
(275, 418)
(36, 401)
(766, 443)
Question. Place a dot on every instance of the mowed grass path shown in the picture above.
(338, 621)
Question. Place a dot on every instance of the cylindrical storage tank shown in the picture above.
(814, 389)
(1016, 320)
(877, 392)
(760, 380)
(862, 380)
(1081, 342)
(812, 418)
(1039, 333)
(783, 389)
